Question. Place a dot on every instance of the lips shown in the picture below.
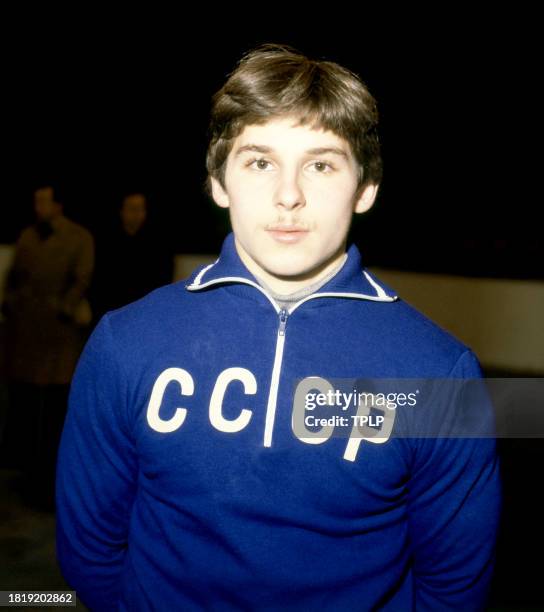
(287, 234)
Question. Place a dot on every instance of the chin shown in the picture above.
(289, 271)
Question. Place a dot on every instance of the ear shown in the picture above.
(366, 198)
(220, 196)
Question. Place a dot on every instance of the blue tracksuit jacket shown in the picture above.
(182, 484)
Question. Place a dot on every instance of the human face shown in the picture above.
(45, 207)
(133, 213)
(291, 196)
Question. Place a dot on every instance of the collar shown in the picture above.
(351, 281)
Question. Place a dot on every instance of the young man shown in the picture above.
(185, 479)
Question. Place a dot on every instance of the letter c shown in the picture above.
(187, 387)
(216, 402)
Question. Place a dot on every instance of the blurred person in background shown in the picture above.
(132, 258)
(47, 315)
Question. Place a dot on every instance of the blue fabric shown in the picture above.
(199, 518)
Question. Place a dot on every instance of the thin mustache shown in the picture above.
(287, 227)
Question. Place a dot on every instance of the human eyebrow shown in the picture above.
(325, 150)
(315, 151)
(253, 147)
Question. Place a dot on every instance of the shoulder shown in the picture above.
(404, 333)
(171, 300)
(430, 340)
(77, 230)
(152, 315)
(26, 234)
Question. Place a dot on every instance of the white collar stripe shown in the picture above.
(379, 290)
(202, 272)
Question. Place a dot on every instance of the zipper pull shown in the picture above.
(283, 321)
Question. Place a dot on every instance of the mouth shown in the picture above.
(287, 234)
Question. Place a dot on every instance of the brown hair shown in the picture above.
(274, 80)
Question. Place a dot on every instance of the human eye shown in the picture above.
(260, 164)
(322, 166)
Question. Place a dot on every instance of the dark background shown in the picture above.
(101, 105)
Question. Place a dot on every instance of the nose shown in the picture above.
(289, 194)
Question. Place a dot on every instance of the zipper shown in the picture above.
(283, 321)
(275, 379)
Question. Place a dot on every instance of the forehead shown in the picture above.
(45, 193)
(284, 134)
(134, 201)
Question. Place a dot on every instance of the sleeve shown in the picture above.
(96, 476)
(13, 277)
(454, 512)
(81, 276)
